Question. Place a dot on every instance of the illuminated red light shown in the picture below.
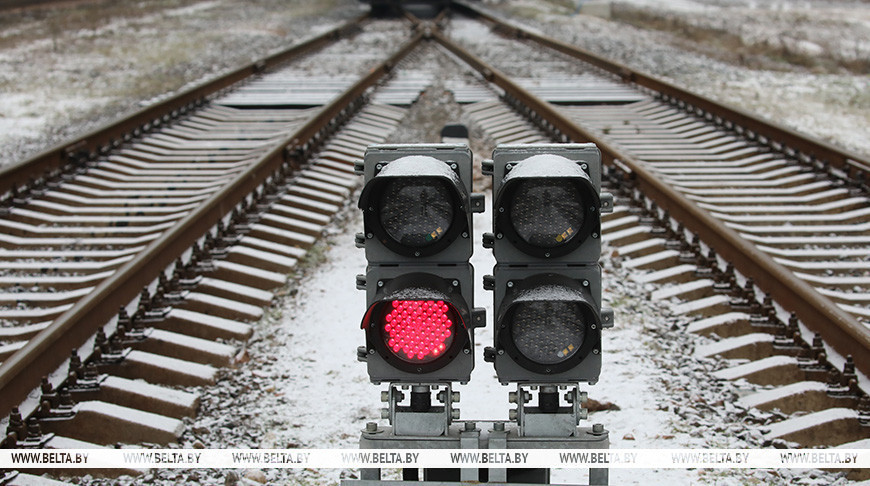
(418, 330)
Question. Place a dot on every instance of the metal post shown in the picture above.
(421, 423)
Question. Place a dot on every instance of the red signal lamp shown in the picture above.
(417, 328)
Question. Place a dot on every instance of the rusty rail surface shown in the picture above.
(838, 328)
(22, 372)
(805, 146)
(22, 173)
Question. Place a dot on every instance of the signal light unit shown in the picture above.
(547, 282)
(417, 205)
(419, 324)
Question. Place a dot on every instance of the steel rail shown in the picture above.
(838, 328)
(22, 173)
(812, 148)
(22, 372)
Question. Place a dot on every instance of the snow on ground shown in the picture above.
(68, 69)
(65, 70)
(298, 382)
(693, 49)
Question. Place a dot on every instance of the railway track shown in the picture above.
(92, 229)
(227, 193)
(804, 216)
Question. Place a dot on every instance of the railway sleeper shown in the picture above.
(235, 291)
(63, 267)
(340, 191)
(203, 326)
(158, 176)
(159, 369)
(137, 394)
(292, 224)
(837, 208)
(287, 210)
(317, 195)
(709, 143)
(184, 347)
(689, 291)
(301, 202)
(281, 235)
(349, 147)
(33, 315)
(639, 248)
(58, 282)
(804, 190)
(339, 153)
(682, 273)
(798, 182)
(726, 176)
(660, 260)
(269, 246)
(697, 155)
(259, 258)
(248, 275)
(621, 218)
(7, 350)
(748, 346)
(55, 208)
(708, 306)
(773, 360)
(856, 216)
(331, 176)
(777, 359)
(862, 229)
(336, 162)
(824, 198)
(801, 396)
(774, 370)
(729, 324)
(621, 239)
(830, 427)
(169, 203)
(22, 333)
(14, 228)
(107, 424)
(220, 307)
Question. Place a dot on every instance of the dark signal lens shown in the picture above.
(548, 332)
(416, 212)
(547, 213)
(419, 331)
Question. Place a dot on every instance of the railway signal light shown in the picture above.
(547, 282)
(417, 206)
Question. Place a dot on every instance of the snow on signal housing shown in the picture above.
(565, 329)
(547, 206)
(416, 206)
(547, 280)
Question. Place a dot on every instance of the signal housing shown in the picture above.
(547, 282)
(417, 206)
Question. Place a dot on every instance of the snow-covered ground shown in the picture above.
(690, 49)
(298, 382)
(301, 386)
(68, 69)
